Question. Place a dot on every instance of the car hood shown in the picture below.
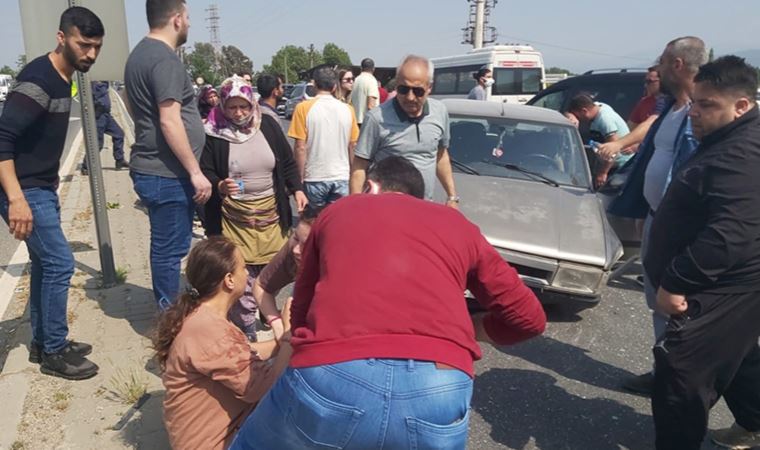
(535, 218)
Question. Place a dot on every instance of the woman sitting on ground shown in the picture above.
(213, 376)
(251, 168)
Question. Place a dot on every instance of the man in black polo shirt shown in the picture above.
(32, 136)
(704, 256)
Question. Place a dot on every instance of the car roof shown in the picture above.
(504, 110)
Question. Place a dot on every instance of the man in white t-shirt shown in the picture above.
(325, 132)
(365, 94)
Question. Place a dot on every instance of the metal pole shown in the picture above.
(92, 149)
(480, 9)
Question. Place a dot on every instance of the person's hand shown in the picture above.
(452, 204)
(608, 150)
(20, 219)
(671, 304)
(301, 200)
(600, 179)
(202, 188)
(228, 187)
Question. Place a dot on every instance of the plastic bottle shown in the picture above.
(595, 147)
(237, 175)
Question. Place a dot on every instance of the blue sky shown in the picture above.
(578, 35)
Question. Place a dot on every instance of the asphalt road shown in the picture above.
(8, 244)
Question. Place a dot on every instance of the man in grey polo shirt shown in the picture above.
(412, 126)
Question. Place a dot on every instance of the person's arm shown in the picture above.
(609, 149)
(353, 137)
(306, 283)
(276, 275)
(729, 238)
(373, 94)
(514, 313)
(25, 104)
(279, 143)
(300, 157)
(173, 130)
(364, 152)
(604, 165)
(446, 176)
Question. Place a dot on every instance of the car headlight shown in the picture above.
(578, 279)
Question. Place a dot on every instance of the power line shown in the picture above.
(578, 50)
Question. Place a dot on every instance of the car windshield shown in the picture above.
(487, 144)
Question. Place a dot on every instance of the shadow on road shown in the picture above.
(524, 405)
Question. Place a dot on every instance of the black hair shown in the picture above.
(729, 74)
(397, 174)
(266, 84)
(367, 64)
(86, 21)
(309, 214)
(580, 101)
(325, 78)
(160, 11)
(483, 71)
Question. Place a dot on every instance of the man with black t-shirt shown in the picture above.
(32, 136)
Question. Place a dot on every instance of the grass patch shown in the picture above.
(121, 275)
(61, 400)
(128, 385)
(113, 205)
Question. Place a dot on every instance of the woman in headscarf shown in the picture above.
(251, 168)
(208, 98)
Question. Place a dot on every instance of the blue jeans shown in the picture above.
(321, 193)
(170, 210)
(361, 404)
(51, 269)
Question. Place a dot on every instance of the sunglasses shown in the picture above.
(404, 90)
(347, 80)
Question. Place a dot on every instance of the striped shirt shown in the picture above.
(34, 124)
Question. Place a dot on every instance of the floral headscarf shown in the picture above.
(220, 126)
(204, 107)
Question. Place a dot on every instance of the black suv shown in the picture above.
(621, 89)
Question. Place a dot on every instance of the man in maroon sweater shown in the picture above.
(383, 342)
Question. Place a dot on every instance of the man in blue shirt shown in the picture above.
(605, 125)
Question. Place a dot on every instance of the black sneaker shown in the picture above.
(68, 364)
(35, 350)
(640, 384)
(122, 164)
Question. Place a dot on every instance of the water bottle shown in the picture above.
(237, 175)
(595, 147)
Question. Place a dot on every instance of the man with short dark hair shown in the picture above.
(647, 105)
(365, 94)
(347, 348)
(270, 91)
(325, 132)
(411, 125)
(32, 137)
(668, 144)
(169, 139)
(606, 125)
(704, 257)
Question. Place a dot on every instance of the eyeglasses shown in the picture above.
(404, 90)
(347, 80)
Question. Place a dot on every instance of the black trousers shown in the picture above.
(710, 351)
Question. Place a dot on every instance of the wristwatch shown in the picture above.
(453, 198)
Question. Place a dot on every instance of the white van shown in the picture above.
(518, 72)
(5, 86)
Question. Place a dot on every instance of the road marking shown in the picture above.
(20, 258)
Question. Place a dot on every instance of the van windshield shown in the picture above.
(516, 81)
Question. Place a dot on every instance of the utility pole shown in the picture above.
(212, 19)
(311, 55)
(480, 9)
(477, 24)
(286, 67)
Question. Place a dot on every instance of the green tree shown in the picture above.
(335, 56)
(558, 70)
(201, 62)
(6, 70)
(234, 61)
(290, 61)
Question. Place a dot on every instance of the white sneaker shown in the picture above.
(736, 438)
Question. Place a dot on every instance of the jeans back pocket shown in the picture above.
(429, 436)
(323, 423)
